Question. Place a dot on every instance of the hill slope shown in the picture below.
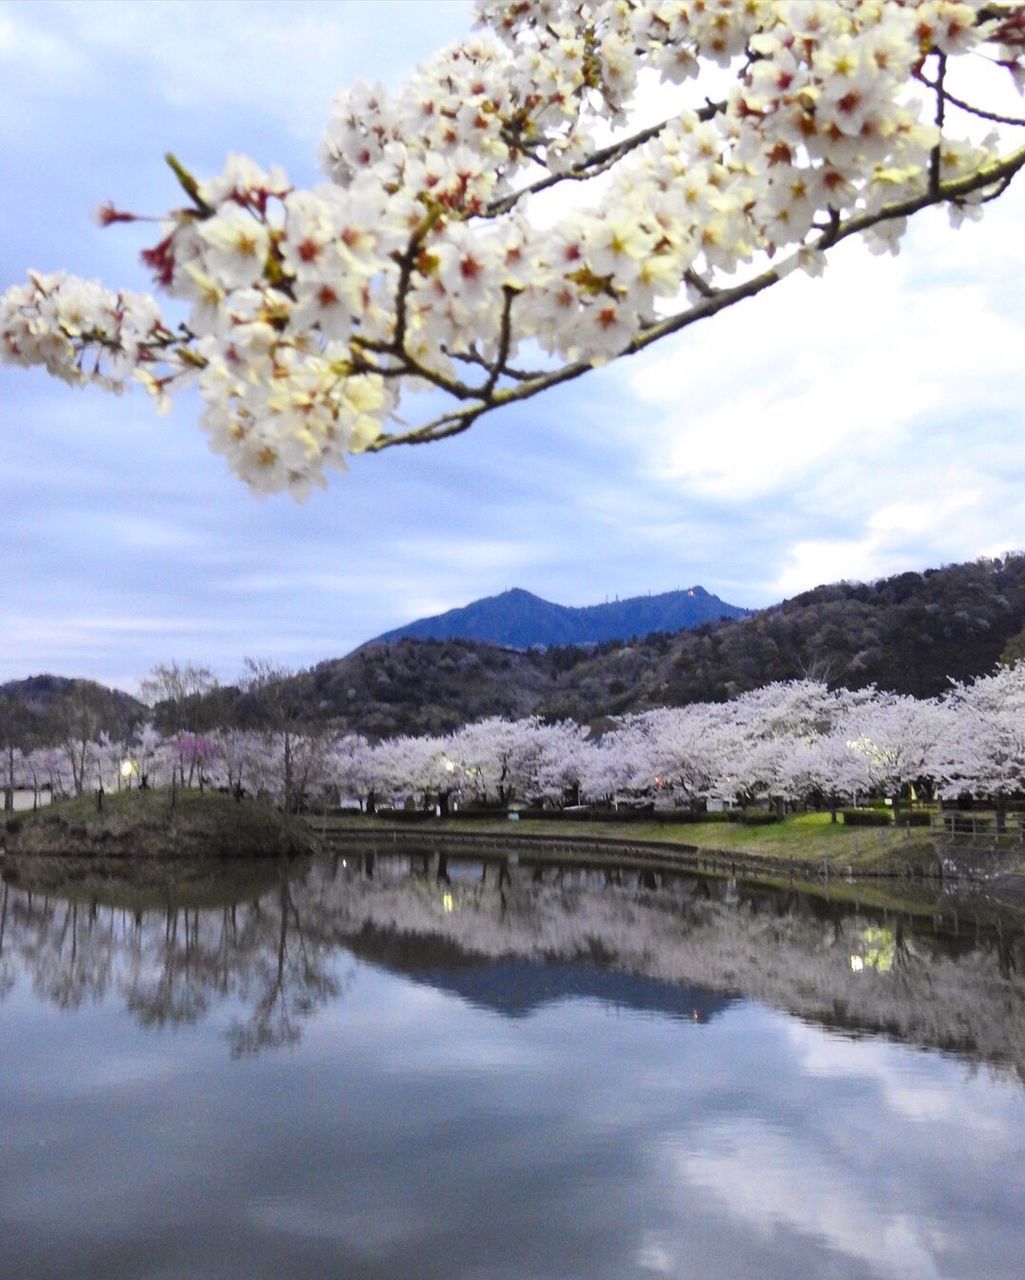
(910, 633)
(50, 708)
(519, 619)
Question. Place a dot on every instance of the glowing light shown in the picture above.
(128, 767)
(879, 950)
(446, 902)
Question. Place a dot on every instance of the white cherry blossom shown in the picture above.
(317, 317)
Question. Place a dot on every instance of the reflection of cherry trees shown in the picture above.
(269, 962)
(6, 968)
(284, 986)
(269, 958)
(68, 951)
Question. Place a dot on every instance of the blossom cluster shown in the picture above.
(430, 258)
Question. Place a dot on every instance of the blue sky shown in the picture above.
(853, 426)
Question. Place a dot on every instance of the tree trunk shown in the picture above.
(289, 798)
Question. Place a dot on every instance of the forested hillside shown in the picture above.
(53, 708)
(911, 634)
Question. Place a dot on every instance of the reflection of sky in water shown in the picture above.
(414, 1133)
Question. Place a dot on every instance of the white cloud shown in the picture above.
(889, 531)
(767, 1180)
(822, 375)
(911, 1086)
(225, 53)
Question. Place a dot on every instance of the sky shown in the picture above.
(850, 427)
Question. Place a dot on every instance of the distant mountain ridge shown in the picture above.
(519, 619)
(910, 633)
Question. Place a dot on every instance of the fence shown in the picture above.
(973, 826)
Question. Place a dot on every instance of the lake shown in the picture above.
(378, 1066)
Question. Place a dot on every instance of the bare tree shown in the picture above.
(281, 702)
(175, 692)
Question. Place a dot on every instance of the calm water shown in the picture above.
(357, 1069)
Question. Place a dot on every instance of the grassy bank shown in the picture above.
(809, 839)
(157, 824)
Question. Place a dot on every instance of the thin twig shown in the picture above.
(994, 116)
(599, 162)
(475, 358)
(698, 283)
(504, 339)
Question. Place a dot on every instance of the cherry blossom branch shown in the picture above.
(936, 156)
(314, 312)
(475, 358)
(999, 173)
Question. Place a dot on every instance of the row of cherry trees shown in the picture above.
(786, 743)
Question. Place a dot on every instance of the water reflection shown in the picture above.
(396, 1067)
(511, 938)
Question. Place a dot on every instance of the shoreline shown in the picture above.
(952, 872)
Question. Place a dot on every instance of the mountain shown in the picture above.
(910, 633)
(520, 620)
(518, 988)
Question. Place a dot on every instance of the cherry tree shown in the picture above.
(518, 759)
(349, 768)
(513, 217)
(51, 764)
(982, 750)
(405, 765)
(487, 753)
(684, 751)
(147, 753)
(235, 748)
(560, 762)
(779, 729)
(892, 741)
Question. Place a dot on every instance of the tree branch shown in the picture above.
(999, 173)
(937, 151)
(505, 336)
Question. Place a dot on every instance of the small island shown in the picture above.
(158, 823)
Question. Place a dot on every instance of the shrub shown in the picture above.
(867, 817)
(755, 817)
(405, 815)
